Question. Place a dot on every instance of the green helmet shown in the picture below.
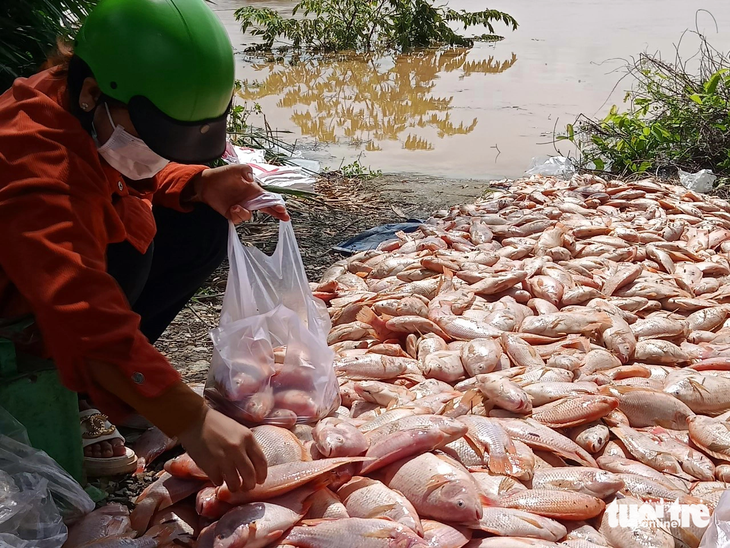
(171, 62)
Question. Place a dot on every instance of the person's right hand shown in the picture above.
(226, 451)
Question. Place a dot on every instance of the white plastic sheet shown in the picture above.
(284, 176)
(701, 181)
(271, 362)
(28, 516)
(557, 166)
(19, 458)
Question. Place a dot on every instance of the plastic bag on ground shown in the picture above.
(28, 516)
(271, 363)
(11, 428)
(557, 166)
(717, 534)
(18, 458)
(701, 181)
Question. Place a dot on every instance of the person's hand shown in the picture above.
(226, 188)
(225, 451)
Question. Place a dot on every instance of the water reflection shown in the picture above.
(361, 100)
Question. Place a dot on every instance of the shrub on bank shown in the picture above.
(676, 119)
(367, 25)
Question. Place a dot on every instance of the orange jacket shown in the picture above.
(60, 206)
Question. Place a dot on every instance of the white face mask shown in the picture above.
(129, 155)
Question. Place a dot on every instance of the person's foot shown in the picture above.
(103, 449)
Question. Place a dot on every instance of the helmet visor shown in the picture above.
(196, 142)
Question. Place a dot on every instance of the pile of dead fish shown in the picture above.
(508, 371)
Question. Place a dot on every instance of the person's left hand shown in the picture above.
(226, 188)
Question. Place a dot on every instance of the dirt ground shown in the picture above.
(348, 207)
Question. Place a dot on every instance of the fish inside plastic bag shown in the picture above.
(271, 362)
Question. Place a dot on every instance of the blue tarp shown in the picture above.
(372, 238)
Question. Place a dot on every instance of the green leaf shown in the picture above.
(696, 98)
(711, 84)
(291, 192)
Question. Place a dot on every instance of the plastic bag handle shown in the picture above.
(264, 200)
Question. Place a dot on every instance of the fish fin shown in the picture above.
(486, 500)
(141, 465)
(409, 376)
(450, 405)
(252, 528)
(378, 534)
(379, 510)
(142, 515)
(698, 386)
(318, 484)
(444, 283)
(273, 535)
(500, 464)
(475, 445)
(472, 398)
(436, 481)
(533, 522)
(311, 522)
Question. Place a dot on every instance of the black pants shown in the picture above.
(187, 248)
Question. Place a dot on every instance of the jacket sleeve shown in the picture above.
(52, 248)
(170, 184)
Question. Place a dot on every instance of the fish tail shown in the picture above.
(167, 534)
(366, 315)
(141, 464)
(500, 464)
(142, 515)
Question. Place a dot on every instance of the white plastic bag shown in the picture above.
(18, 458)
(271, 362)
(557, 166)
(28, 516)
(701, 181)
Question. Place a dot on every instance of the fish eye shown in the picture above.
(460, 504)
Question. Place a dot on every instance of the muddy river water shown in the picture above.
(480, 113)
